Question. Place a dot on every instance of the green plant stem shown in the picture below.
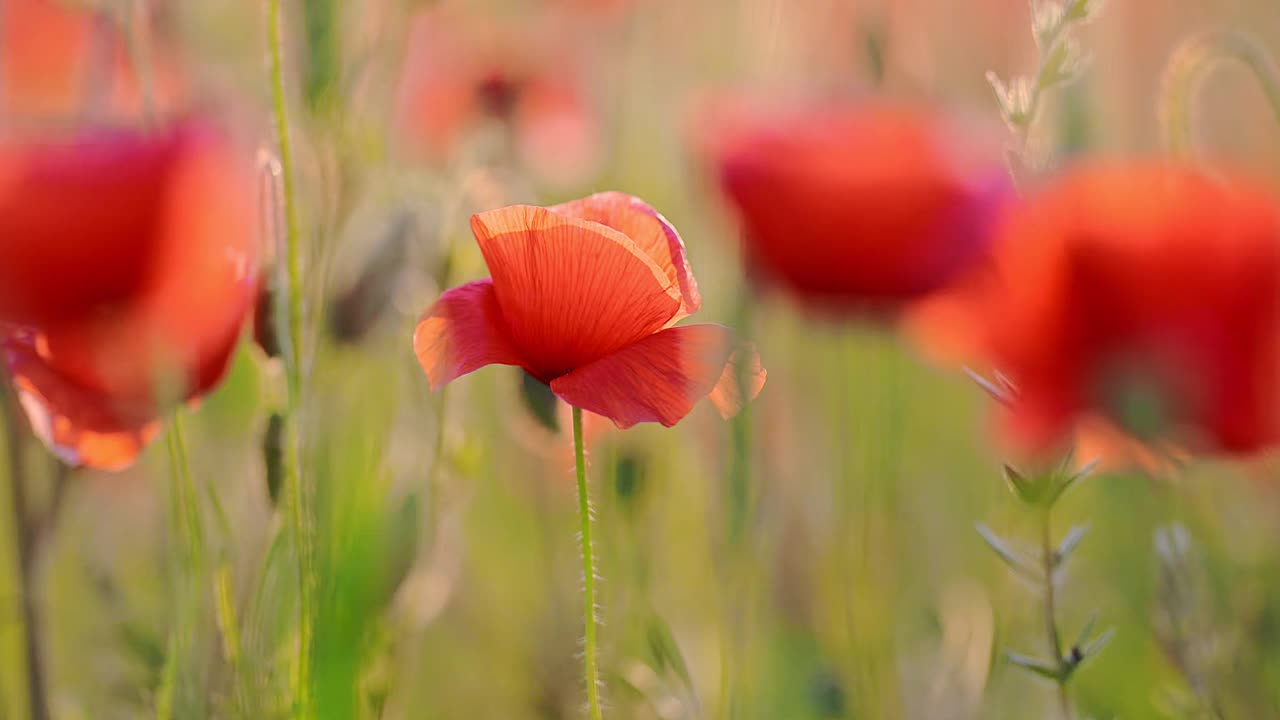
(591, 670)
(25, 548)
(185, 514)
(738, 503)
(1187, 66)
(1049, 559)
(298, 512)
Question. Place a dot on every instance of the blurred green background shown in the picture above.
(446, 523)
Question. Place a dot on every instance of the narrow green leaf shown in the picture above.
(1085, 632)
(1069, 543)
(1071, 478)
(1043, 668)
(666, 653)
(1018, 562)
(1097, 645)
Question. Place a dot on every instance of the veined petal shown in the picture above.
(650, 231)
(462, 332)
(571, 291)
(657, 379)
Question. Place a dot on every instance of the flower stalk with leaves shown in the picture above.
(1059, 62)
(1039, 493)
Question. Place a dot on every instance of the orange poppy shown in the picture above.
(461, 70)
(856, 206)
(584, 296)
(1145, 295)
(128, 263)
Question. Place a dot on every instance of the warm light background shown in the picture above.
(486, 622)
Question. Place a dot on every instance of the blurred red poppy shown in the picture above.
(60, 60)
(583, 296)
(462, 70)
(858, 206)
(128, 262)
(1144, 295)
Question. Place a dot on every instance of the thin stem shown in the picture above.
(591, 670)
(25, 545)
(738, 501)
(1049, 558)
(298, 526)
(1187, 66)
(185, 514)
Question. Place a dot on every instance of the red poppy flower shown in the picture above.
(1144, 295)
(583, 297)
(461, 70)
(857, 206)
(128, 262)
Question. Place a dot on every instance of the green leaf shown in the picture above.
(1085, 632)
(1029, 490)
(1097, 645)
(666, 653)
(1018, 562)
(1069, 543)
(1043, 668)
(1069, 479)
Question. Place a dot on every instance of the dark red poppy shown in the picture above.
(128, 262)
(583, 296)
(461, 70)
(859, 206)
(1146, 295)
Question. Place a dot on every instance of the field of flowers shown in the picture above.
(640, 359)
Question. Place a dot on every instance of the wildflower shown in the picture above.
(128, 262)
(1146, 295)
(584, 296)
(460, 73)
(858, 206)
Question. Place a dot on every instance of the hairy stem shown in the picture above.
(299, 528)
(591, 670)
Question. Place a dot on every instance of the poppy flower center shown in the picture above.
(1143, 394)
(498, 92)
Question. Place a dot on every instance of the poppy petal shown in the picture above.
(657, 237)
(657, 379)
(742, 369)
(78, 425)
(571, 291)
(462, 332)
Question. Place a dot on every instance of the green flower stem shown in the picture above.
(1187, 67)
(299, 528)
(184, 510)
(591, 669)
(1048, 555)
(25, 549)
(738, 503)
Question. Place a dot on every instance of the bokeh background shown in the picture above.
(446, 522)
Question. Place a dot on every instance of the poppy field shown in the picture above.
(640, 359)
